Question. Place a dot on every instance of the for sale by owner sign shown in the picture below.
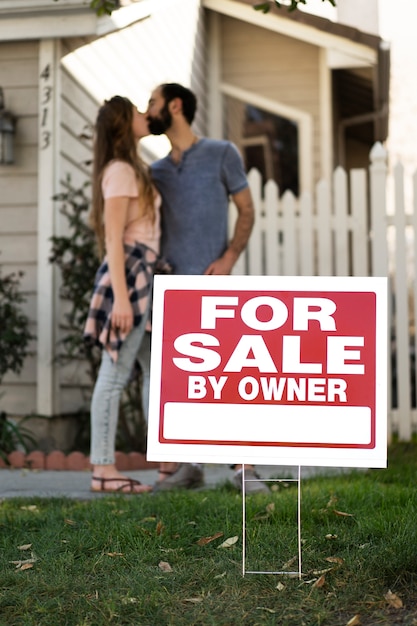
(269, 370)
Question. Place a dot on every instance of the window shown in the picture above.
(268, 142)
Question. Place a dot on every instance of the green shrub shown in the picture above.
(15, 337)
(14, 325)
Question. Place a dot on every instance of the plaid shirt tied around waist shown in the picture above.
(141, 263)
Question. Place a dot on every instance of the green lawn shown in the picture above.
(103, 562)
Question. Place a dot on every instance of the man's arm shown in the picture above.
(243, 228)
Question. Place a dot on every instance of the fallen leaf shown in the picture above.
(20, 564)
(393, 600)
(288, 564)
(280, 587)
(270, 507)
(26, 566)
(229, 542)
(114, 554)
(70, 522)
(170, 549)
(205, 540)
(193, 600)
(354, 621)
(319, 582)
(159, 528)
(332, 501)
(164, 566)
(31, 507)
(334, 559)
(342, 514)
(318, 572)
(148, 519)
(26, 546)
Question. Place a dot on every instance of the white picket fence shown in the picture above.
(359, 224)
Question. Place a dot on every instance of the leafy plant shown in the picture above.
(14, 325)
(103, 7)
(76, 256)
(14, 343)
(291, 5)
(106, 7)
(14, 436)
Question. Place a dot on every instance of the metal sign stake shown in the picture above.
(276, 480)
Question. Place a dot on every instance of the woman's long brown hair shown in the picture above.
(114, 139)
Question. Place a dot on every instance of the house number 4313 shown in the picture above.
(45, 104)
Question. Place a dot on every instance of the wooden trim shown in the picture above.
(326, 117)
(81, 23)
(49, 56)
(215, 115)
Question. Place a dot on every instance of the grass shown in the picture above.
(101, 562)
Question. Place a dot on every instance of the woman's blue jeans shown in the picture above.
(112, 379)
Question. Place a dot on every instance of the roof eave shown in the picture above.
(69, 21)
(358, 48)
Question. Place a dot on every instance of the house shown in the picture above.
(298, 93)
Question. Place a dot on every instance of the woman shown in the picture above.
(125, 218)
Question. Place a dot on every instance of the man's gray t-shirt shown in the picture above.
(195, 200)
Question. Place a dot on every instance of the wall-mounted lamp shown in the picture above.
(7, 132)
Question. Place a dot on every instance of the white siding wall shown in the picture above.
(266, 68)
(78, 110)
(19, 193)
(167, 47)
(18, 204)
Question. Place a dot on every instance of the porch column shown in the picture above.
(215, 114)
(47, 184)
(326, 117)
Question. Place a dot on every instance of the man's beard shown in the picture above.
(159, 125)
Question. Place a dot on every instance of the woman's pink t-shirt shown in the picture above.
(119, 179)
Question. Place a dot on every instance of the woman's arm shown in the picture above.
(115, 218)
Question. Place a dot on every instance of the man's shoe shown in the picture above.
(253, 482)
(187, 476)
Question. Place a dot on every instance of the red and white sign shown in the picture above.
(269, 370)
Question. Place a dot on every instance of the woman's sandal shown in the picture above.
(127, 482)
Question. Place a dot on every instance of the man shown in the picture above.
(196, 180)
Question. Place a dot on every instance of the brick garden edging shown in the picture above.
(74, 461)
